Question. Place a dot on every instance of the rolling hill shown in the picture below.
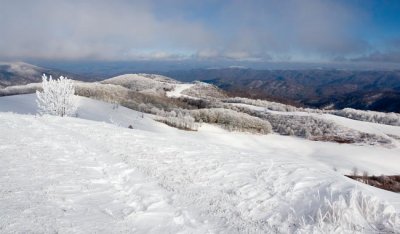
(318, 88)
(20, 73)
(94, 174)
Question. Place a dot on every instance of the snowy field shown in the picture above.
(178, 89)
(374, 128)
(93, 174)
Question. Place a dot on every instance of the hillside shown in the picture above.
(20, 73)
(102, 177)
(144, 83)
(318, 88)
(171, 101)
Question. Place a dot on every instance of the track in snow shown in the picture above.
(69, 175)
(178, 89)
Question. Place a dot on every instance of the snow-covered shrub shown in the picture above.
(297, 125)
(199, 103)
(20, 89)
(262, 103)
(149, 83)
(143, 102)
(303, 126)
(204, 90)
(312, 127)
(232, 120)
(275, 106)
(342, 214)
(319, 129)
(114, 94)
(370, 116)
(181, 121)
(103, 92)
(57, 97)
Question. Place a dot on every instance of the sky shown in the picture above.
(250, 31)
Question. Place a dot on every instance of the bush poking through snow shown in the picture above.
(313, 128)
(370, 116)
(387, 182)
(232, 120)
(275, 106)
(184, 122)
(342, 213)
(57, 97)
(228, 119)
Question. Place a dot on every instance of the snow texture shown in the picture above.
(370, 116)
(178, 89)
(204, 91)
(76, 175)
(147, 83)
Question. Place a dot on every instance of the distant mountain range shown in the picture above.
(20, 73)
(319, 88)
(366, 90)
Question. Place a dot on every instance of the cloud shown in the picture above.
(92, 29)
(291, 27)
(390, 53)
(390, 57)
(251, 30)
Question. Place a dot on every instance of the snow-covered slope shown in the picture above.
(178, 89)
(75, 175)
(87, 109)
(387, 131)
(196, 90)
(15, 73)
(23, 69)
(20, 73)
(204, 90)
(342, 157)
(149, 83)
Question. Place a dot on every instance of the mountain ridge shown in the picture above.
(21, 73)
(318, 88)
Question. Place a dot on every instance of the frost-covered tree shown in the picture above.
(232, 120)
(57, 97)
(370, 116)
(181, 121)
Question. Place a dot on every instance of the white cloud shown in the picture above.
(91, 29)
(124, 30)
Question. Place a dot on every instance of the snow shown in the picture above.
(178, 89)
(21, 68)
(87, 109)
(67, 181)
(87, 175)
(126, 78)
(341, 157)
(147, 83)
(367, 127)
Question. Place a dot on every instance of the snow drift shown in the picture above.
(76, 175)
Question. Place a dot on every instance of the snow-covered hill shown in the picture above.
(23, 69)
(20, 73)
(162, 85)
(94, 174)
(147, 83)
(178, 89)
(342, 124)
(196, 90)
